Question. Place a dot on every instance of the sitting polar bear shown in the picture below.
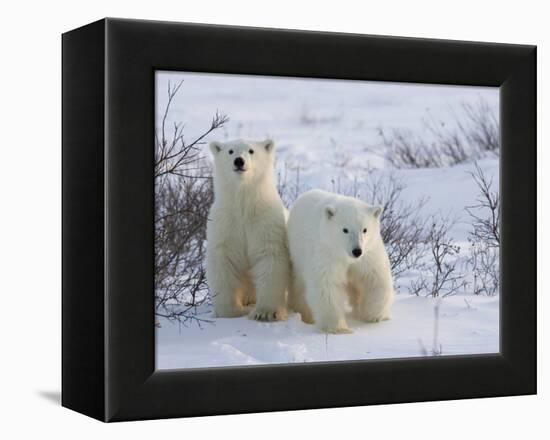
(336, 252)
(247, 252)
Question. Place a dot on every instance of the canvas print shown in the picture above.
(311, 220)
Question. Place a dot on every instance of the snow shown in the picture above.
(467, 324)
(326, 135)
(448, 190)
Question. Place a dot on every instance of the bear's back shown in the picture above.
(309, 205)
(314, 201)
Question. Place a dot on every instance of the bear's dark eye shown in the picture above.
(365, 231)
(251, 151)
(345, 230)
(230, 151)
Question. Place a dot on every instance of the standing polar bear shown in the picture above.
(336, 252)
(247, 252)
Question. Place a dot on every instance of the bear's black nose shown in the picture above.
(357, 252)
(239, 162)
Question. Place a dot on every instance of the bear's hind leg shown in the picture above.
(226, 288)
(248, 291)
(373, 305)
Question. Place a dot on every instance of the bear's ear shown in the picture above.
(330, 211)
(377, 211)
(215, 147)
(269, 145)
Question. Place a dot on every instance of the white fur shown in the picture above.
(247, 253)
(326, 275)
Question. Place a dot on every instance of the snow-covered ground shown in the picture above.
(467, 324)
(326, 135)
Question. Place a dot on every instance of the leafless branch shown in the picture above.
(402, 228)
(485, 213)
(474, 134)
(439, 275)
(183, 195)
(484, 237)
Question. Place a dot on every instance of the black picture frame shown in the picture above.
(108, 150)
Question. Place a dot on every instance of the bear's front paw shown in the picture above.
(333, 325)
(268, 314)
(249, 301)
(337, 330)
(375, 319)
(307, 317)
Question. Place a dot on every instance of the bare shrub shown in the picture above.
(481, 127)
(484, 265)
(183, 195)
(439, 274)
(485, 213)
(173, 155)
(180, 236)
(404, 150)
(289, 183)
(474, 135)
(402, 228)
(484, 237)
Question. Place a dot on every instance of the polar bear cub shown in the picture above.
(337, 257)
(247, 251)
